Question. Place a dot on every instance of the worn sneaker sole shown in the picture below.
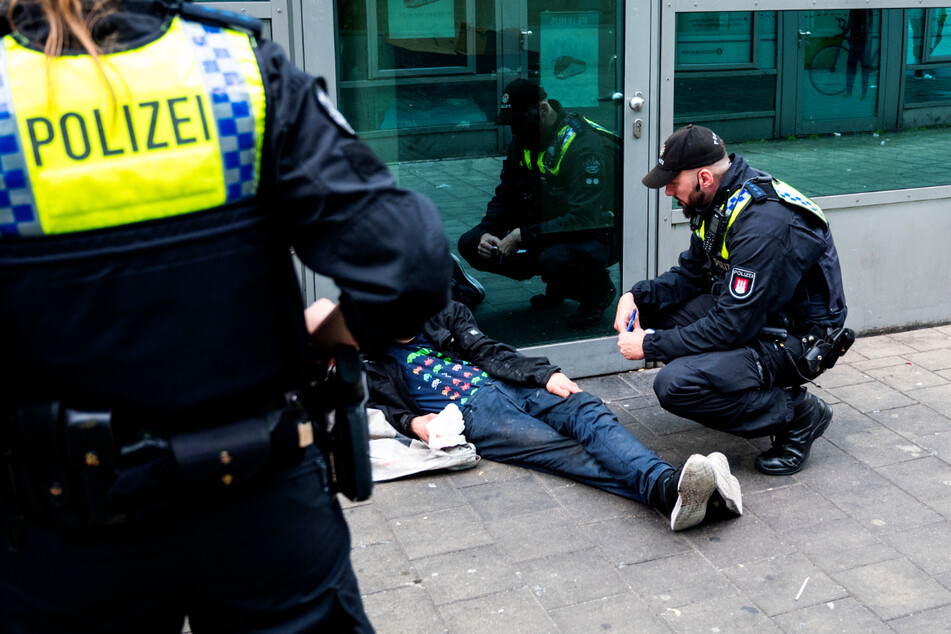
(462, 277)
(727, 485)
(697, 484)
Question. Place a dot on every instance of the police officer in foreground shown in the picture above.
(158, 164)
(754, 309)
(553, 212)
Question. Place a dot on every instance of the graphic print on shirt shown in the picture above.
(454, 380)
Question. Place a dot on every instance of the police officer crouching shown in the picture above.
(553, 213)
(157, 427)
(754, 310)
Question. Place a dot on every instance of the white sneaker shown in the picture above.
(727, 485)
(697, 483)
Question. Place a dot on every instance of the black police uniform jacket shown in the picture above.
(579, 197)
(454, 332)
(791, 270)
(202, 312)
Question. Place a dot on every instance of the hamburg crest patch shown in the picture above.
(741, 283)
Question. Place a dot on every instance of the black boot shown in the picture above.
(593, 304)
(791, 448)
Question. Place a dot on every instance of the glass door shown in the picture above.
(841, 74)
(425, 83)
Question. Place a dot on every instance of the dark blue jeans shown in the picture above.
(576, 437)
(275, 558)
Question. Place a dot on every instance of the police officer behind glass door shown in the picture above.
(756, 291)
(553, 211)
(158, 164)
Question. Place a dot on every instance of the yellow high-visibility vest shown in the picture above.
(180, 131)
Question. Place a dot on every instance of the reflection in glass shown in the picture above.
(819, 107)
(423, 83)
(552, 214)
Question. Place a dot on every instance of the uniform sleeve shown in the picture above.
(770, 251)
(589, 191)
(383, 246)
(507, 208)
(676, 286)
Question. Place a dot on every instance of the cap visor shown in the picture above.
(658, 177)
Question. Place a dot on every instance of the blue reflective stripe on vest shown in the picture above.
(18, 213)
(231, 106)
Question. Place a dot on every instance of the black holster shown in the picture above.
(340, 390)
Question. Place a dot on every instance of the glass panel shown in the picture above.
(841, 62)
(716, 51)
(820, 108)
(424, 83)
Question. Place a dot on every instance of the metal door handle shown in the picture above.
(637, 102)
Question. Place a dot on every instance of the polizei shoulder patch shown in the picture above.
(741, 283)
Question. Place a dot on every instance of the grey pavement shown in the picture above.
(859, 541)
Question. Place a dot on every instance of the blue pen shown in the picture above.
(630, 324)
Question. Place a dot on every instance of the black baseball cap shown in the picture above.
(689, 147)
(519, 96)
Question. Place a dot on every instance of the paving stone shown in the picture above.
(841, 375)
(622, 613)
(676, 581)
(914, 421)
(894, 588)
(467, 574)
(935, 620)
(885, 508)
(572, 578)
(403, 611)
(907, 377)
(740, 541)
(923, 339)
(881, 362)
(933, 360)
(415, 495)
(880, 346)
(552, 533)
(779, 584)
(587, 505)
(937, 398)
(440, 532)
(367, 526)
(833, 617)
(926, 479)
(873, 396)
(928, 546)
(512, 611)
(630, 540)
(662, 422)
(791, 508)
(382, 567)
(497, 500)
(866, 440)
(839, 544)
(486, 471)
(609, 388)
(729, 612)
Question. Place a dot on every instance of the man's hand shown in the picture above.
(560, 385)
(625, 308)
(509, 244)
(488, 247)
(418, 426)
(631, 343)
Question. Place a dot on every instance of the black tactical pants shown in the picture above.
(749, 391)
(274, 558)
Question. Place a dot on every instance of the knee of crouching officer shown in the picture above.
(670, 388)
